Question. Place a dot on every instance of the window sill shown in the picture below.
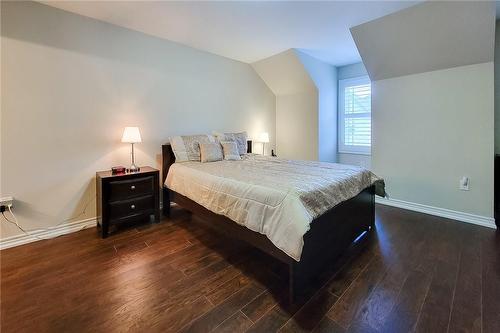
(354, 152)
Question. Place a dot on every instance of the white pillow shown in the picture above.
(187, 147)
(240, 139)
(210, 152)
(230, 149)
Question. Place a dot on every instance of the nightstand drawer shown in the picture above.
(127, 197)
(134, 206)
(125, 189)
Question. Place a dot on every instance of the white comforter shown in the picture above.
(272, 196)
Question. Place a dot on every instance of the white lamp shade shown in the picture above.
(264, 137)
(131, 135)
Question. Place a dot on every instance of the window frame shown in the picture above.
(342, 147)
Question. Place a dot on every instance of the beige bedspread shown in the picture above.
(272, 196)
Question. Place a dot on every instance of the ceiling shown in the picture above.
(429, 36)
(246, 31)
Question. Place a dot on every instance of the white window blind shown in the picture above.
(355, 125)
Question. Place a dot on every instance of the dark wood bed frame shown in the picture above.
(330, 234)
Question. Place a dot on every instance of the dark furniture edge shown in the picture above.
(103, 201)
(496, 209)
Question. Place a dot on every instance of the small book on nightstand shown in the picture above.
(116, 170)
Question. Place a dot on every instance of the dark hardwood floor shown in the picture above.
(414, 273)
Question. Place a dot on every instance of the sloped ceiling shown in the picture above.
(284, 74)
(427, 37)
(247, 31)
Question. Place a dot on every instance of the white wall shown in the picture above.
(306, 105)
(347, 72)
(324, 77)
(497, 88)
(296, 105)
(429, 130)
(70, 85)
(296, 126)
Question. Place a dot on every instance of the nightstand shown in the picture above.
(128, 197)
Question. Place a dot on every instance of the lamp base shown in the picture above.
(133, 168)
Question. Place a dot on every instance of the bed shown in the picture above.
(315, 240)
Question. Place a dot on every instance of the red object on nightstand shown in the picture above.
(117, 170)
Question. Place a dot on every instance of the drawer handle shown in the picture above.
(132, 206)
(132, 187)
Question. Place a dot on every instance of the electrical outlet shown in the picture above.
(464, 184)
(6, 201)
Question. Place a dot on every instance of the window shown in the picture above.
(355, 123)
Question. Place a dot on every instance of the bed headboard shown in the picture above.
(168, 158)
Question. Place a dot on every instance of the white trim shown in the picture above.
(68, 228)
(342, 84)
(355, 152)
(442, 212)
(50, 232)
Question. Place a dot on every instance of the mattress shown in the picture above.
(275, 197)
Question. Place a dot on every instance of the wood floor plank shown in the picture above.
(174, 321)
(127, 249)
(344, 311)
(260, 306)
(467, 299)
(326, 325)
(404, 315)
(415, 272)
(201, 263)
(377, 307)
(271, 321)
(440, 261)
(229, 288)
(490, 282)
(308, 317)
(362, 327)
(342, 279)
(234, 324)
(436, 310)
(220, 313)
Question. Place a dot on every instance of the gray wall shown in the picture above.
(347, 72)
(353, 70)
(497, 88)
(70, 85)
(429, 130)
(325, 79)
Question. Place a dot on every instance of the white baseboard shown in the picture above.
(67, 228)
(442, 212)
(50, 232)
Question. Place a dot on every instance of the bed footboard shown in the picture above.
(330, 236)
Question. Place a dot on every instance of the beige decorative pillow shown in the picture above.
(187, 147)
(240, 139)
(210, 152)
(230, 149)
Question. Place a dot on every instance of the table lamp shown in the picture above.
(264, 138)
(132, 135)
